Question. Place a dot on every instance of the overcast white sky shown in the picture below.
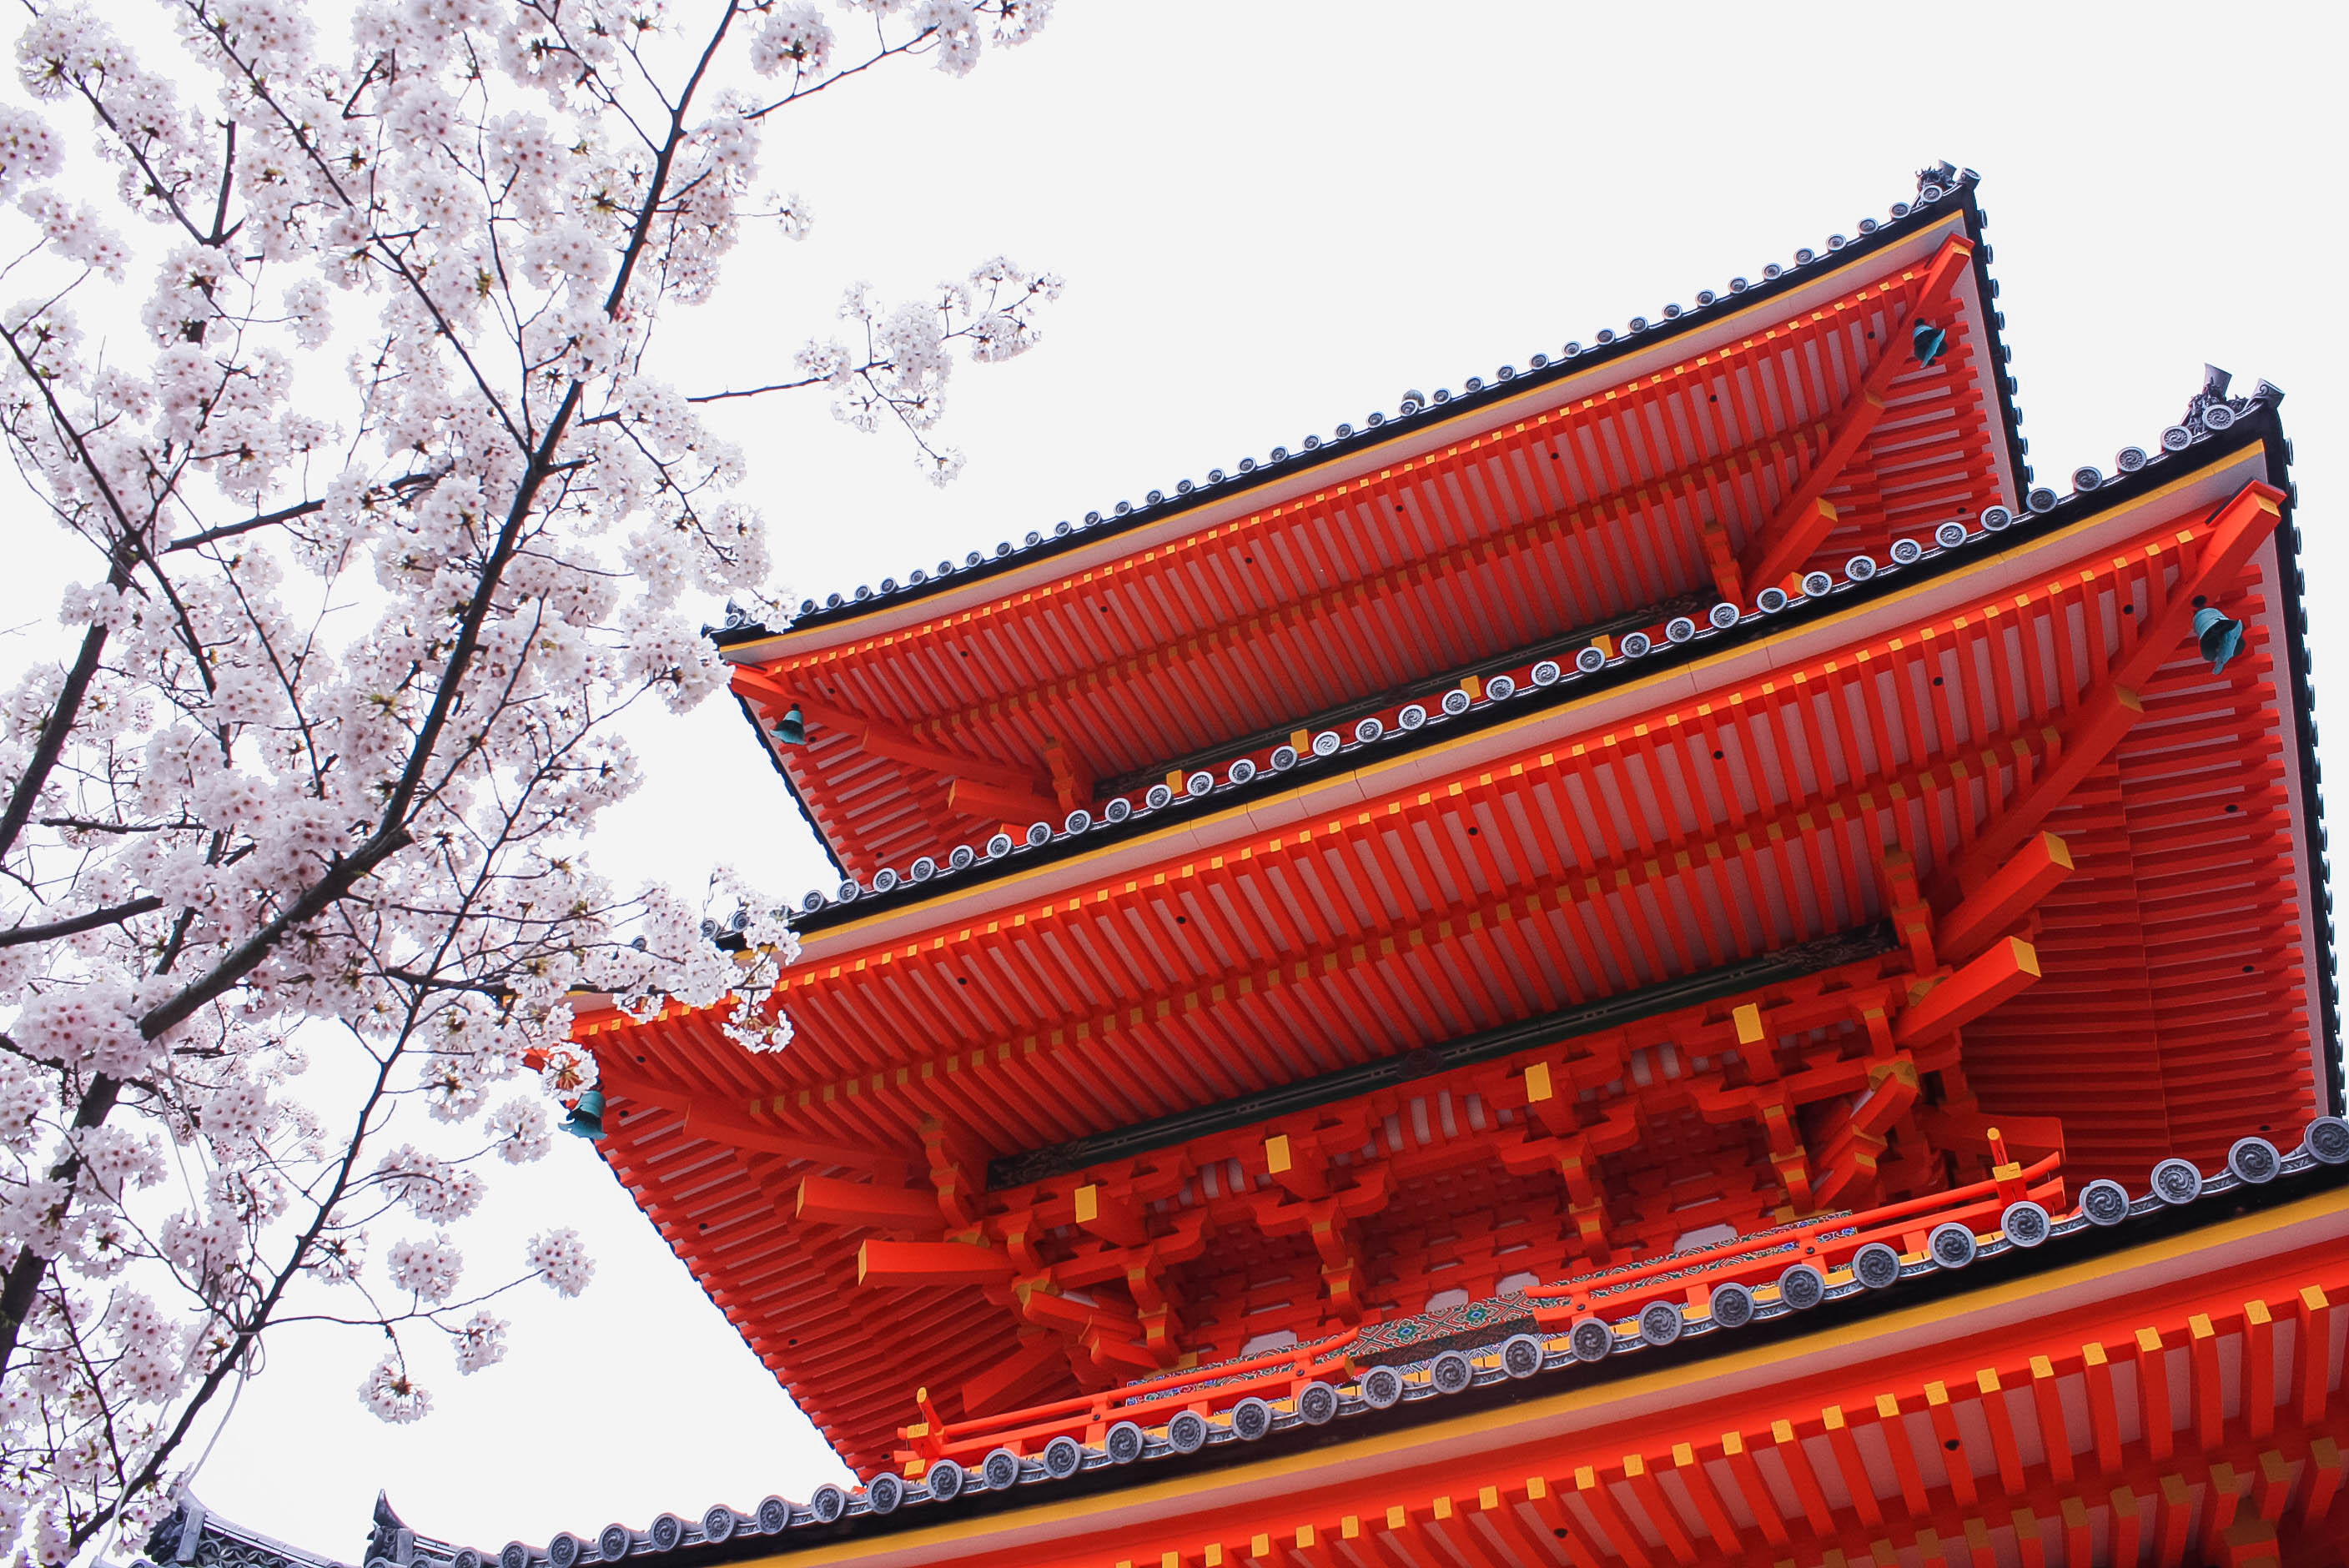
(1273, 217)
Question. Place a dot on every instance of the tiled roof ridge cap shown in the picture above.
(190, 1533)
(1935, 185)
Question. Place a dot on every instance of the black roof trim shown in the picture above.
(191, 1534)
(2294, 588)
(799, 801)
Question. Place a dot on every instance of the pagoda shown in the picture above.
(1661, 958)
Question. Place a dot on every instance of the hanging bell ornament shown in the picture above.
(2220, 637)
(586, 1118)
(1928, 342)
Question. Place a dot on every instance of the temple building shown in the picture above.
(1663, 957)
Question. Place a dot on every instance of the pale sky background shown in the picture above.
(1273, 217)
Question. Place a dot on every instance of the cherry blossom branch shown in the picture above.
(158, 185)
(759, 391)
(68, 708)
(250, 1329)
(268, 821)
(18, 935)
(798, 94)
(159, 1020)
(23, 1282)
(51, 742)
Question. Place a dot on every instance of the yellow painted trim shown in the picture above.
(961, 1535)
(1006, 887)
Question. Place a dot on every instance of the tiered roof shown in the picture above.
(1716, 804)
(1371, 1000)
(1543, 830)
(2134, 1376)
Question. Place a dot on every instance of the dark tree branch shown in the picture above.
(758, 391)
(250, 954)
(19, 936)
(51, 744)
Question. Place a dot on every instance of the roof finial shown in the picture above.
(2211, 408)
(1942, 174)
(391, 1540)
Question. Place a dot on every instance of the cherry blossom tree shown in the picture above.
(343, 386)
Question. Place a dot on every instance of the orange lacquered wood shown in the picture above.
(1600, 861)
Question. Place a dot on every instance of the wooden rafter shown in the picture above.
(1562, 518)
(725, 1121)
(1804, 518)
(1025, 788)
(2176, 1424)
(2007, 897)
(2113, 707)
(1313, 1194)
(1484, 892)
(1303, 934)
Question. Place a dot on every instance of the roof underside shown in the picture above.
(1611, 498)
(1706, 815)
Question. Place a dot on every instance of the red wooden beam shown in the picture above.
(827, 1201)
(2006, 897)
(1804, 518)
(1039, 1359)
(886, 740)
(915, 1264)
(1972, 991)
(2238, 529)
(712, 1118)
(991, 802)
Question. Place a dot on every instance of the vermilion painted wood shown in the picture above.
(1918, 1452)
(1507, 538)
(1395, 926)
(1801, 521)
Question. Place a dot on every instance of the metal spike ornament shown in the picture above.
(792, 729)
(2220, 637)
(1928, 342)
(586, 1118)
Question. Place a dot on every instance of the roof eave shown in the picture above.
(1923, 214)
(2113, 493)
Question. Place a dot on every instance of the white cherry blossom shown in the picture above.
(480, 1341)
(560, 1259)
(393, 1394)
(429, 1269)
(325, 341)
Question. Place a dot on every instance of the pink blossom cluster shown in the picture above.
(560, 1259)
(328, 338)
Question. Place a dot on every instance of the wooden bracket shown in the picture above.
(1804, 518)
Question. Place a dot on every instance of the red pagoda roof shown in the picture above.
(2158, 1380)
(1665, 962)
(1718, 802)
(2151, 1380)
(1775, 429)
